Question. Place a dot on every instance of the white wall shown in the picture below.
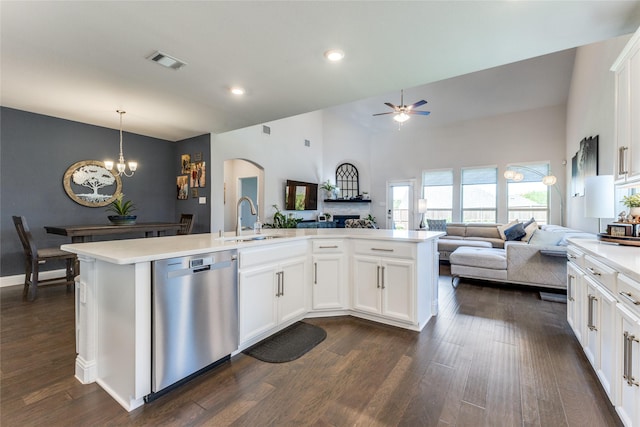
(282, 154)
(590, 112)
(522, 137)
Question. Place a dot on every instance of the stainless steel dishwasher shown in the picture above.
(194, 315)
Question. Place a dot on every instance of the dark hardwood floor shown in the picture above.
(494, 356)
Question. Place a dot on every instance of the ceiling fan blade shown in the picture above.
(422, 113)
(391, 105)
(382, 114)
(417, 104)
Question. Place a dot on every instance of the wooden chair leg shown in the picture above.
(33, 286)
(27, 277)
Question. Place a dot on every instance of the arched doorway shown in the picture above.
(242, 178)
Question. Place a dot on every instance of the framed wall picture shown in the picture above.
(182, 182)
(194, 193)
(198, 175)
(584, 164)
(90, 184)
(185, 161)
(197, 157)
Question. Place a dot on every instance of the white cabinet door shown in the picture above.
(607, 330)
(591, 338)
(328, 282)
(634, 112)
(397, 283)
(628, 366)
(291, 302)
(575, 292)
(258, 309)
(366, 284)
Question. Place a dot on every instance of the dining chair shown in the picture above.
(34, 257)
(187, 221)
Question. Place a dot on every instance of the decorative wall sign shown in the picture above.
(584, 164)
(90, 184)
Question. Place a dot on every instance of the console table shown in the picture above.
(84, 233)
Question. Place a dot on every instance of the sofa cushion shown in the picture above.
(484, 231)
(529, 229)
(437, 224)
(515, 232)
(456, 230)
(546, 238)
(480, 257)
(503, 227)
(495, 242)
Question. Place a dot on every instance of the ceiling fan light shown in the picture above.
(334, 55)
(401, 117)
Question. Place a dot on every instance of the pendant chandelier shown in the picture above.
(121, 166)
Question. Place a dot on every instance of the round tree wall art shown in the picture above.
(89, 183)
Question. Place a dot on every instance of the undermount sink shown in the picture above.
(250, 238)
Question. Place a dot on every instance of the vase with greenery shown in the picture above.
(633, 203)
(122, 210)
(281, 220)
(329, 189)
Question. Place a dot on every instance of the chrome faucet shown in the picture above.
(238, 219)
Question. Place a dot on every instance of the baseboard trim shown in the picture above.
(18, 279)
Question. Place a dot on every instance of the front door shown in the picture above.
(400, 205)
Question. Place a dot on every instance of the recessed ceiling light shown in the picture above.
(334, 55)
(236, 90)
(166, 60)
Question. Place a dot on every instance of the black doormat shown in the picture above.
(288, 344)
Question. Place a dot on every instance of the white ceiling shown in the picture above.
(83, 60)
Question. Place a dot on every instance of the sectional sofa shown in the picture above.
(482, 251)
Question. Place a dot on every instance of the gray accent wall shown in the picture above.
(35, 152)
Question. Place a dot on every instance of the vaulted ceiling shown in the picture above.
(82, 60)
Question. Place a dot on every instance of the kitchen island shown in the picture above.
(388, 276)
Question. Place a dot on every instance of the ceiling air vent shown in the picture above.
(166, 60)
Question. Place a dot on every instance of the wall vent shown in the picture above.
(166, 60)
(266, 130)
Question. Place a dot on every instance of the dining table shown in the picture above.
(85, 233)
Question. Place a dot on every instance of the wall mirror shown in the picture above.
(90, 184)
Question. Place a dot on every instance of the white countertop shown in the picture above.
(132, 251)
(625, 259)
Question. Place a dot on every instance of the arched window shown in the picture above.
(347, 180)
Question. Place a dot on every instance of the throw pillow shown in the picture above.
(545, 238)
(501, 228)
(437, 224)
(529, 229)
(528, 223)
(515, 232)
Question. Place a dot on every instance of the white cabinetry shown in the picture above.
(628, 334)
(329, 282)
(610, 314)
(384, 279)
(575, 298)
(271, 289)
(627, 72)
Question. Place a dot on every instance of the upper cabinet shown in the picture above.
(627, 114)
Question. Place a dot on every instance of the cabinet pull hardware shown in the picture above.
(628, 362)
(592, 271)
(278, 282)
(382, 250)
(315, 273)
(625, 356)
(282, 277)
(570, 287)
(378, 277)
(630, 297)
(382, 277)
(622, 161)
(328, 247)
(571, 256)
(590, 324)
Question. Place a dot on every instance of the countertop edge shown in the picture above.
(625, 259)
(133, 251)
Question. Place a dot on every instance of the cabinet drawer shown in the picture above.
(328, 246)
(575, 255)
(271, 254)
(384, 248)
(629, 293)
(599, 272)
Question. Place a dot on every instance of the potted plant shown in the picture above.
(633, 203)
(329, 189)
(282, 221)
(122, 209)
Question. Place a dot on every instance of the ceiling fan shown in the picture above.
(402, 112)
